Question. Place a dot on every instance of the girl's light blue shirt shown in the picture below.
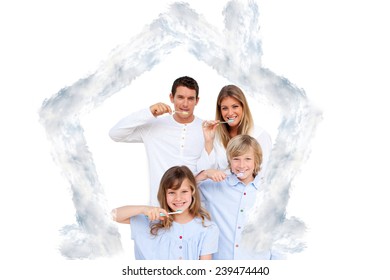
(180, 242)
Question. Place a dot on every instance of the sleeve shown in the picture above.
(203, 191)
(131, 128)
(206, 161)
(139, 226)
(210, 241)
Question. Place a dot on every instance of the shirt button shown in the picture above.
(180, 247)
(180, 258)
(236, 245)
(242, 210)
(239, 227)
(244, 193)
(181, 237)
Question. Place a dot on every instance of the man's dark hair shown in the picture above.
(187, 82)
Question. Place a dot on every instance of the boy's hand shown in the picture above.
(216, 175)
(213, 174)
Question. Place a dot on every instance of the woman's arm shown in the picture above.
(209, 129)
(124, 213)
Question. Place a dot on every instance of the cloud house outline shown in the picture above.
(235, 53)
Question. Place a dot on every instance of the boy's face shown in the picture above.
(181, 198)
(244, 166)
(184, 101)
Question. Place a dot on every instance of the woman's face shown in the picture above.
(231, 109)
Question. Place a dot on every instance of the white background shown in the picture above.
(337, 51)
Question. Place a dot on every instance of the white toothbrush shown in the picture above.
(172, 213)
(209, 123)
(180, 112)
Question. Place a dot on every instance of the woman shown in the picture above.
(233, 117)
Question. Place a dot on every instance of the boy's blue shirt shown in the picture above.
(229, 203)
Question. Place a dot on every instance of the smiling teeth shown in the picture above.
(179, 204)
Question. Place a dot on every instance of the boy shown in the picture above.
(229, 198)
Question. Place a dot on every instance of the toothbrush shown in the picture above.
(180, 112)
(240, 174)
(209, 123)
(171, 213)
(228, 121)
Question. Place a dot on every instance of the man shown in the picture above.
(170, 139)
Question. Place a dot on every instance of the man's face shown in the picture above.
(184, 101)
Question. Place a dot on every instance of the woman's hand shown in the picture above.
(209, 128)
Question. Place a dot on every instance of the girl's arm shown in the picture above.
(124, 213)
(205, 257)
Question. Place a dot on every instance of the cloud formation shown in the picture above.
(235, 53)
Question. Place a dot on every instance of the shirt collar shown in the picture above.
(233, 181)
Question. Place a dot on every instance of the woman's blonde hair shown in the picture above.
(246, 123)
(173, 179)
(241, 144)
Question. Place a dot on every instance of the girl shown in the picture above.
(233, 117)
(157, 234)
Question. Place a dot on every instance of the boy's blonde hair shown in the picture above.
(242, 144)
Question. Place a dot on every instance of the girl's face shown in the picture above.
(181, 198)
(244, 166)
(231, 109)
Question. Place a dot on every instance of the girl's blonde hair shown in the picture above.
(246, 123)
(241, 144)
(173, 179)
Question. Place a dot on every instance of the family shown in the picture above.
(204, 176)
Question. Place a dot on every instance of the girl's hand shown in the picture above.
(153, 213)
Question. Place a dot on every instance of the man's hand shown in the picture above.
(159, 109)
